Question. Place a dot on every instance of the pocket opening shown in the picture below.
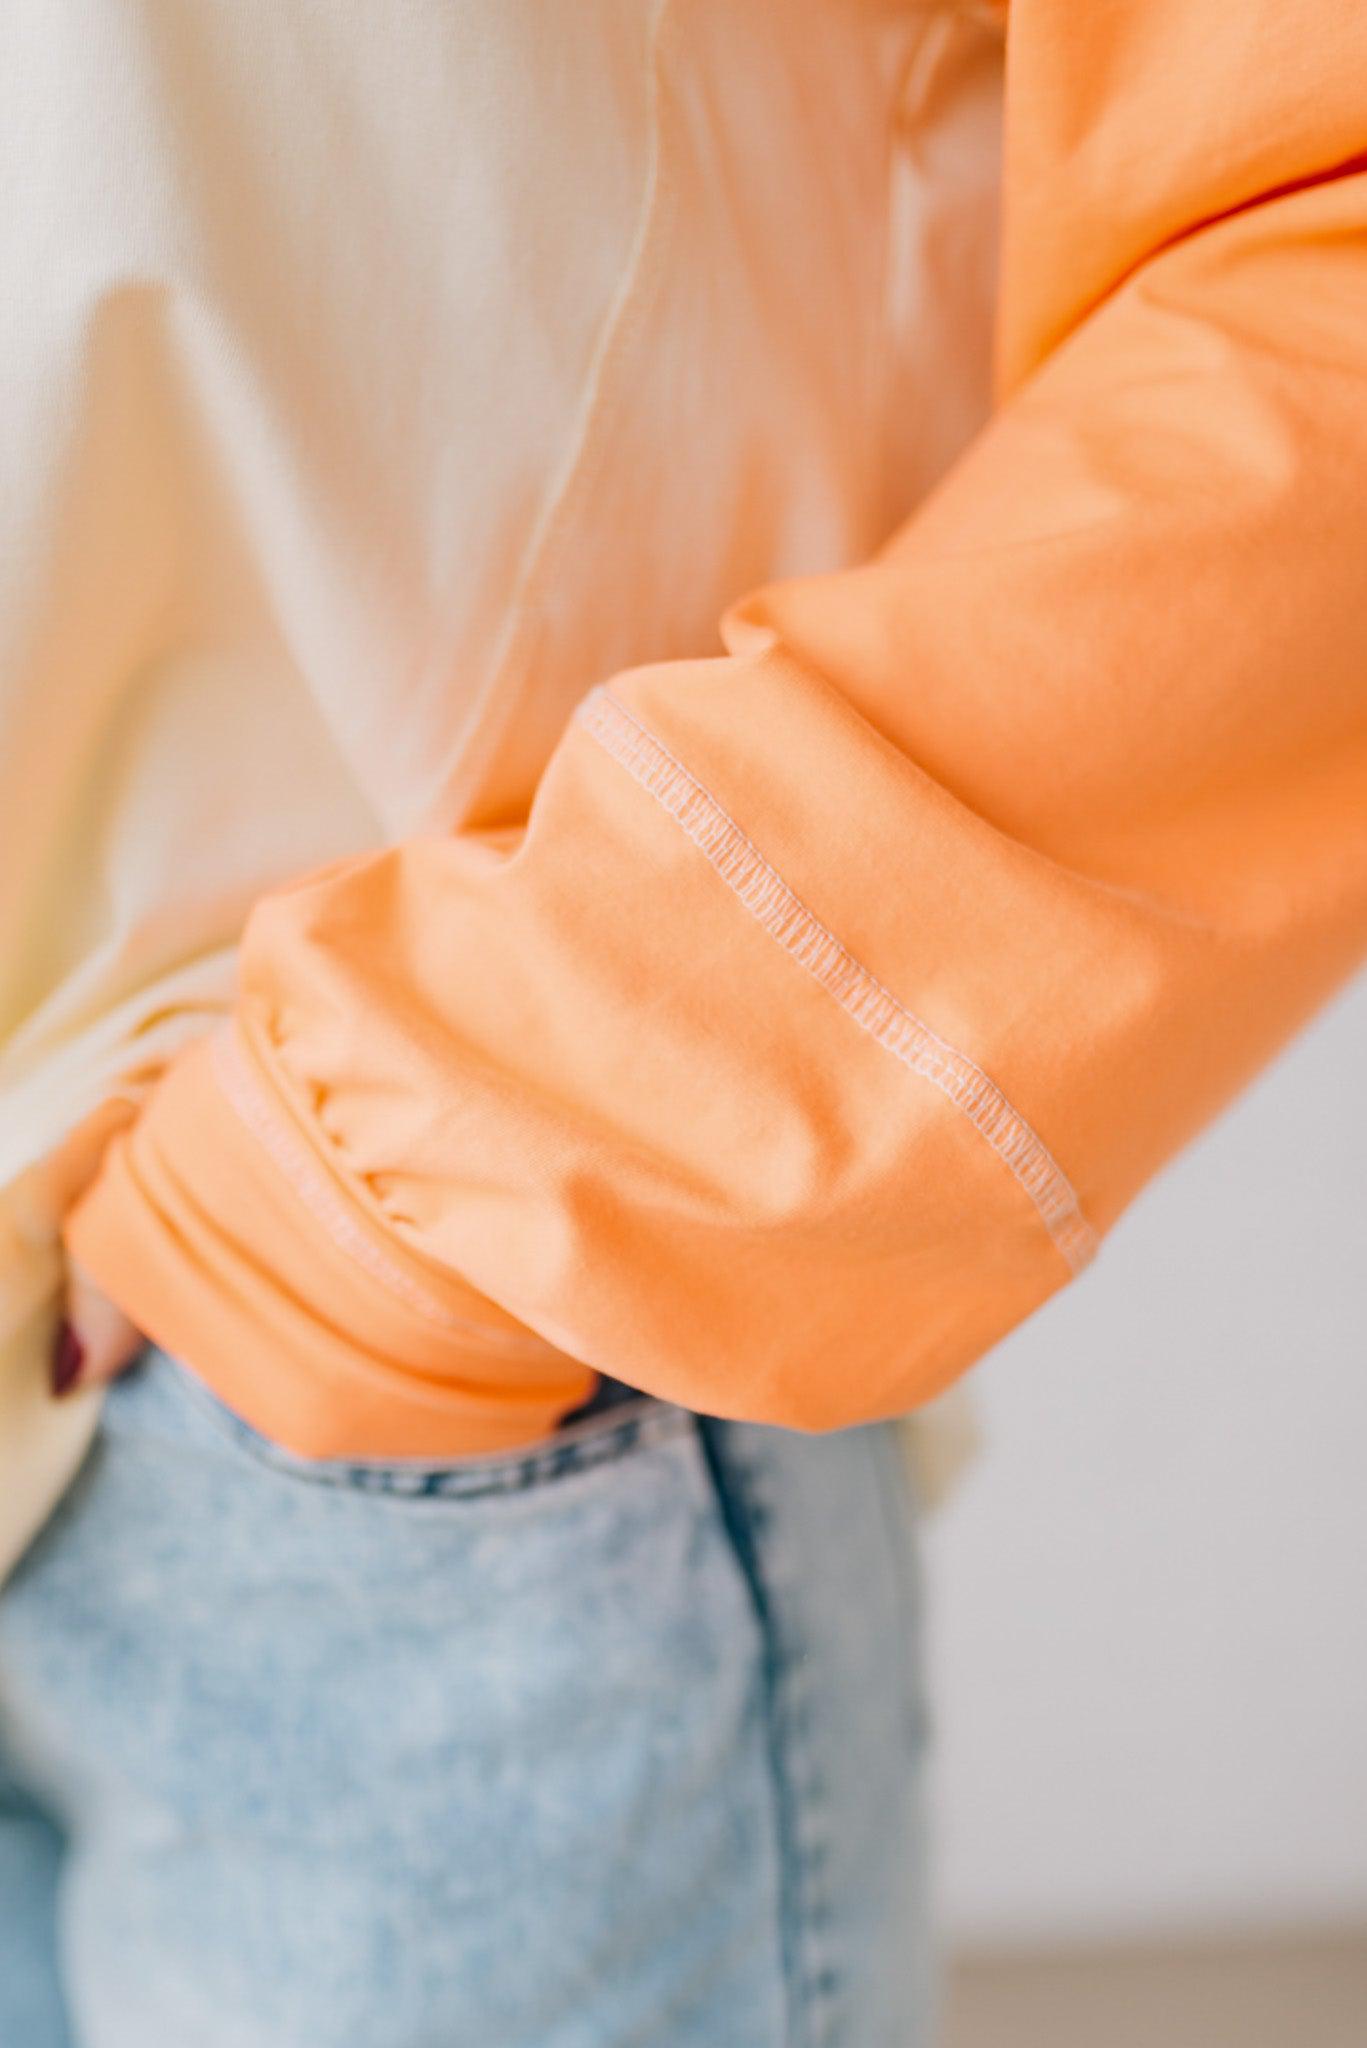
(597, 1435)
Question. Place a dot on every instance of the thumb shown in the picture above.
(96, 1341)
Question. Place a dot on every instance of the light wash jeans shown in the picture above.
(615, 1742)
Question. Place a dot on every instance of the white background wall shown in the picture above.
(1149, 1597)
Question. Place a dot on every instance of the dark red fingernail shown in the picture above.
(68, 1356)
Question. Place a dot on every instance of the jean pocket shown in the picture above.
(618, 1421)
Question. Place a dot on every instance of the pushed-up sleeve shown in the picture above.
(844, 988)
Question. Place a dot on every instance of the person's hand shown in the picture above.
(95, 1341)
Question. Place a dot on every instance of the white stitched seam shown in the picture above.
(799, 931)
(243, 1093)
(591, 435)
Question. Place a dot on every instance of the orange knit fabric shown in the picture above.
(843, 989)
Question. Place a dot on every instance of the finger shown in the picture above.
(96, 1341)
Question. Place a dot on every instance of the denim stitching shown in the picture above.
(646, 1422)
(813, 1979)
(449, 1482)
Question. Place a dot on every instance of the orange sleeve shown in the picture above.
(842, 990)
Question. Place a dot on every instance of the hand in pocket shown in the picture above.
(95, 1341)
